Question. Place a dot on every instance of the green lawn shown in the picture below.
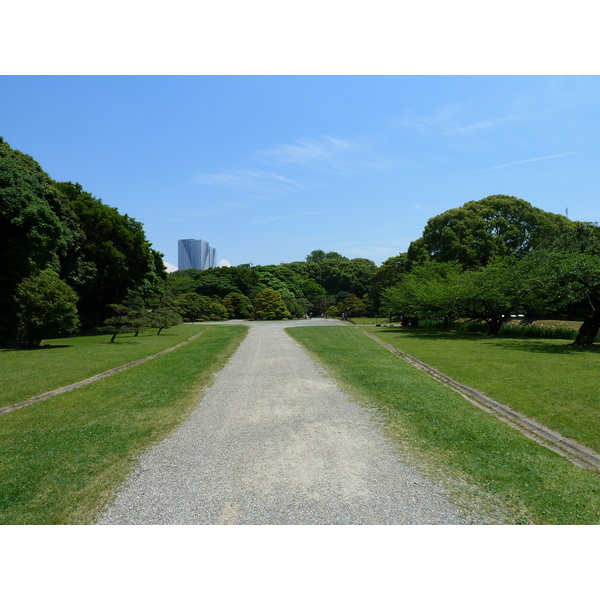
(27, 373)
(61, 459)
(483, 461)
(547, 380)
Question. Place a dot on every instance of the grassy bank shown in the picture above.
(59, 362)
(491, 462)
(548, 380)
(62, 459)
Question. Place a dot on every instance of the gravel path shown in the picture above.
(276, 441)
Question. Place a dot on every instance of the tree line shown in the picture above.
(66, 256)
(495, 257)
(72, 263)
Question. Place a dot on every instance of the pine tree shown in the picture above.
(269, 306)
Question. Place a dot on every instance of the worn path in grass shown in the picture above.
(276, 441)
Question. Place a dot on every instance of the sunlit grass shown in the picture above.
(548, 380)
(453, 439)
(62, 459)
(59, 362)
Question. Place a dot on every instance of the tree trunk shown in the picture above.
(590, 326)
(494, 324)
(588, 330)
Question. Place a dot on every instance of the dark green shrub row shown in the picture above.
(509, 331)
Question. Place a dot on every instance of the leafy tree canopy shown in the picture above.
(480, 230)
(33, 236)
(116, 252)
(269, 306)
(47, 308)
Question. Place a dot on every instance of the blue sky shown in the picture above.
(269, 168)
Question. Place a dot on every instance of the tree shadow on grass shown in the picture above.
(434, 334)
(42, 347)
(536, 345)
(540, 347)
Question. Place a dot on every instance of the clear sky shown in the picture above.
(269, 168)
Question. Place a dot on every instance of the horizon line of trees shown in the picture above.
(495, 257)
(72, 263)
(66, 255)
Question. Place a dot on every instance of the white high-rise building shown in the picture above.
(196, 254)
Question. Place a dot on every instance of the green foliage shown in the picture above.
(492, 293)
(132, 316)
(387, 275)
(33, 235)
(567, 273)
(164, 312)
(324, 279)
(428, 291)
(194, 306)
(46, 308)
(352, 305)
(49, 225)
(115, 252)
(496, 226)
(242, 307)
(269, 306)
(447, 291)
(522, 331)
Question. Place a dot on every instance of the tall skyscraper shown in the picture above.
(196, 254)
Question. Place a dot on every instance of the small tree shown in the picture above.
(47, 308)
(189, 305)
(352, 305)
(137, 313)
(131, 317)
(241, 305)
(228, 304)
(430, 291)
(164, 314)
(492, 293)
(269, 306)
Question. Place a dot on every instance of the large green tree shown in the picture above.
(565, 275)
(116, 252)
(33, 236)
(387, 275)
(478, 231)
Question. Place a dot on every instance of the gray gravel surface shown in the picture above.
(276, 441)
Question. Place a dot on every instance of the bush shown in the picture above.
(47, 308)
(269, 306)
(508, 331)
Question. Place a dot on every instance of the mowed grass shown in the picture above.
(60, 362)
(483, 461)
(62, 459)
(548, 380)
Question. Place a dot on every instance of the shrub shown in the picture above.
(47, 308)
